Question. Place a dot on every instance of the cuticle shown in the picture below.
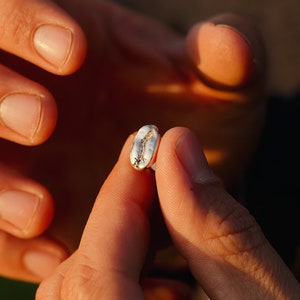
(68, 53)
(40, 113)
(37, 204)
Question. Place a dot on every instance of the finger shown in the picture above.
(227, 55)
(28, 111)
(157, 289)
(42, 33)
(226, 42)
(225, 248)
(29, 260)
(114, 244)
(50, 288)
(26, 208)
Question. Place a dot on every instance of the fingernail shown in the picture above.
(191, 157)
(41, 263)
(53, 43)
(21, 113)
(18, 208)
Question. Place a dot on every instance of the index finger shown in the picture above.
(42, 33)
(122, 206)
(115, 241)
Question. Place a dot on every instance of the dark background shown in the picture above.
(279, 22)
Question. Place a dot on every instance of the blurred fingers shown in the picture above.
(26, 208)
(227, 50)
(28, 111)
(29, 260)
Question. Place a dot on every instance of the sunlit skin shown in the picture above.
(137, 71)
(224, 246)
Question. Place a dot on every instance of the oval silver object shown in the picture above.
(144, 147)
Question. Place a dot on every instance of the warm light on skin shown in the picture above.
(197, 88)
(216, 44)
(172, 88)
(219, 154)
(214, 156)
(160, 292)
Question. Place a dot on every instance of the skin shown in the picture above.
(131, 70)
(224, 246)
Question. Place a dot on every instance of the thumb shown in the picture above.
(224, 246)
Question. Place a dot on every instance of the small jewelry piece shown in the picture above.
(144, 147)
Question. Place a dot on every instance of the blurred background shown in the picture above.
(279, 22)
(15, 290)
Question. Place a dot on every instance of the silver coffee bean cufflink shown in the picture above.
(144, 147)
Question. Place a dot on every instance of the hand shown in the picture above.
(223, 245)
(40, 32)
(138, 71)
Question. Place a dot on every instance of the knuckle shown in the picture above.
(44, 291)
(78, 282)
(233, 232)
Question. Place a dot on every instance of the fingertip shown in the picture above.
(181, 149)
(77, 57)
(48, 119)
(171, 181)
(182, 174)
(28, 116)
(168, 143)
(45, 35)
(141, 182)
(226, 51)
(125, 151)
(249, 30)
(26, 207)
(43, 214)
(60, 48)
